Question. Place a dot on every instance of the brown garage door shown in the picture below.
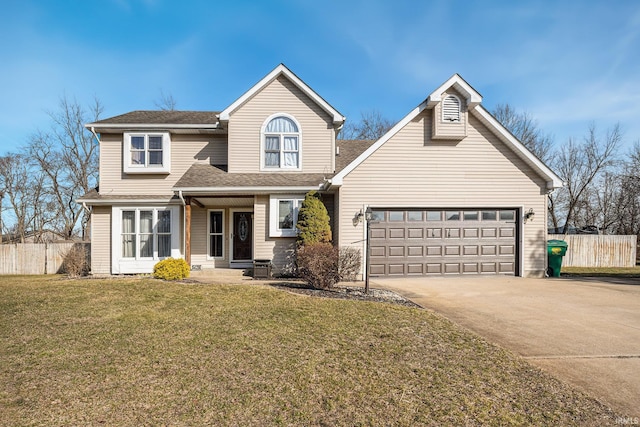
(439, 242)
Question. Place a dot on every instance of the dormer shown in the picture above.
(450, 104)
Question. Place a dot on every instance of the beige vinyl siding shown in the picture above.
(200, 237)
(185, 151)
(412, 170)
(101, 240)
(280, 96)
(280, 250)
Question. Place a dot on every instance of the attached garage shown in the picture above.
(443, 241)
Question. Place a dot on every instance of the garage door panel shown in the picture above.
(396, 269)
(452, 250)
(470, 233)
(415, 233)
(415, 269)
(489, 250)
(443, 242)
(470, 267)
(507, 250)
(396, 233)
(468, 250)
(507, 232)
(417, 251)
(489, 233)
(396, 251)
(378, 233)
(452, 268)
(434, 250)
(378, 251)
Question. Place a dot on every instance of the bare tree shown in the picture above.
(526, 129)
(372, 125)
(627, 203)
(68, 156)
(166, 102)
(22, 187)
(580, 165)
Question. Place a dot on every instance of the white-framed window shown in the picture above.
(147, 152)
(216, 234)
(281, 143)
(451, 109)
(145, 233)
(283, 215)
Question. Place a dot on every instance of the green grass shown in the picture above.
(146, 352)
(602, 271)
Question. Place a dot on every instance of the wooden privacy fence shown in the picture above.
(37, 258)
(598, 250)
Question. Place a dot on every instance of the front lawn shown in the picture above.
(145, 352)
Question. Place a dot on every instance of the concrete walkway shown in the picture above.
(585, 332)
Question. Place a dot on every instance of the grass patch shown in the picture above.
(146, 352)
(602, 271)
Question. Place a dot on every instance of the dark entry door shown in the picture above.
(242, 236)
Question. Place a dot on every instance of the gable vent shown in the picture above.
(451, 109)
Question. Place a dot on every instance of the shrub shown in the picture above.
(349, 263)
(318, 265)
(313, 221)
(76, 261)
(171, 269)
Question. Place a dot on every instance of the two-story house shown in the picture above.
(449, 189)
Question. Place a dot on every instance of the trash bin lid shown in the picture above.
(555, 242)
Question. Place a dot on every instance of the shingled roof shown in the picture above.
(210, 176)
(163, 118)
(349, 150)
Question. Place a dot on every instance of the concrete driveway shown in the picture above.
(585, 332)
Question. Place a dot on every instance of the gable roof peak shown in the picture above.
(456, 81)
(282, 70)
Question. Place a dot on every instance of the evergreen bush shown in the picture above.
(171, 269)
(313, 221)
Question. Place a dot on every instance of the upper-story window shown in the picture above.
(451, 110)
(281, 148)
(147, 152)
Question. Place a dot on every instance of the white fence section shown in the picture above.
(598, 250)
(36, 258)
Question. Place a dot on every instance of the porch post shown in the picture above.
(187, 231)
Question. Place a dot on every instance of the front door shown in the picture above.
(242, 236)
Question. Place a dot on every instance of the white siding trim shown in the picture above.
(473, 98)
(283, 70)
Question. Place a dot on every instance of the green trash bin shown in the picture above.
(556, 249)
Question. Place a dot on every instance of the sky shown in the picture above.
(566, 63)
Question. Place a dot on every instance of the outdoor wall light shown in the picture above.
(529, 215)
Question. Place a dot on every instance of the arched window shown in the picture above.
(451, 109)
(281, 143)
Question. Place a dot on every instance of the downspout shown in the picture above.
(93, 131)
(184, 222)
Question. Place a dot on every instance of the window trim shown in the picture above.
(138, 264)
(209, 234)
(274, 205)
(131, 168)
(263, 135)
(444, 116)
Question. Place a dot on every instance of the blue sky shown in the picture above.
(567, 63)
